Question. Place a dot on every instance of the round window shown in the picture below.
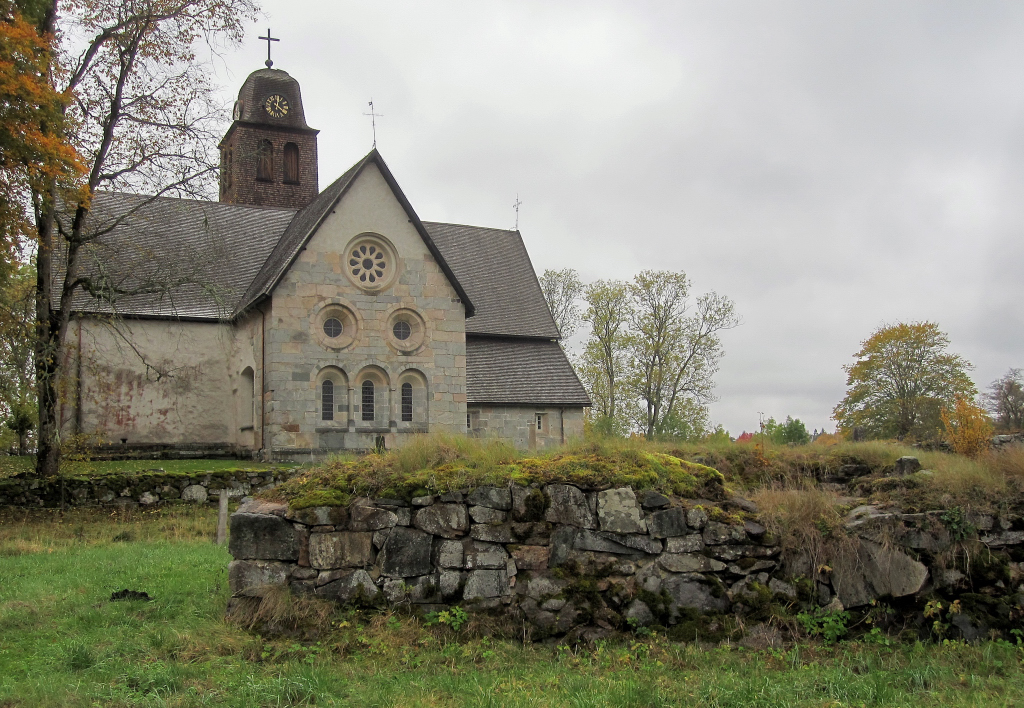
(402, 330)
(368, 263)
(333, 327)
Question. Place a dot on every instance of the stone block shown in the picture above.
(368, 518)
(483, 584)
(668, 523)
(449, 554)
(587, 540)
(343, 549)
(696, 518)
(691, 543)
(528, 504)
(336, 516)
(689, 563)
(486, 515)
(450, 585)
(406, 553)
(531, 557)
(485, 555)
(638, 614)
(716, 534)
(618, 511)
(349, 586)
(444, 520)
(568, 505)
(691, 593)
(254, 578)
(502, 533)
(562, 541)
(653, 500)
(493, 497)
(262, 536)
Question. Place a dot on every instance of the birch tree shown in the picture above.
(141, 117)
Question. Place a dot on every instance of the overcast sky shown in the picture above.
(830, 166)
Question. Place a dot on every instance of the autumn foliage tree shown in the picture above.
(967, 427)
(136, 107)
(901, 379)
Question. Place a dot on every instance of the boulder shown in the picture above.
(906, 465)
(253, 578)
(444, 520)
(638, 614)
(262, 536)
(342, 549)
(493, 497)
(422, 501)
(450, 585)
(406, 553)
(618, 512)
(873, 571)
(501, 533)
(528, 504)
(195, 493)
(668, 523)
(148, 498)
(352, 585)
(569, 506)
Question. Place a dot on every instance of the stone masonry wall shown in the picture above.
(518, 425)
(558, 556)
(569, 560)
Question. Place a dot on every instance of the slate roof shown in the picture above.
(195, 258)
(520, 371)
(495, 269)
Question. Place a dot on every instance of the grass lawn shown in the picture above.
(64, 643)
(13, 464)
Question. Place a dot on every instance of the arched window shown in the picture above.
(367, 400)
(327, 400)
(407, 402)
(265, 161)
(291, 163)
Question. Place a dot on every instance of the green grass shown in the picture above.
(63, 643)
(11, 465)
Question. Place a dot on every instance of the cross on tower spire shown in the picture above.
(269, 38)
(516, 205)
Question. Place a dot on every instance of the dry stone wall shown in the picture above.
(558, 556)
(565, 559)
(143, 488)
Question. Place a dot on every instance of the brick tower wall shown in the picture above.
(238, 167)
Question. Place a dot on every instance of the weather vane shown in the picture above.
(269, 39)
(373, 122)
(516, 206)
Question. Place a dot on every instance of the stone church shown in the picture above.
(287, 321)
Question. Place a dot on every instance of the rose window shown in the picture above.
(368, 263)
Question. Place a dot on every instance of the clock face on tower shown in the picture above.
(276, 105)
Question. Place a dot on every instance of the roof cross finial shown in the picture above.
(516, 206)
(373, 122)
(269, 38)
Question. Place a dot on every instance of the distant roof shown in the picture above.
(520, 371)
(311, 216)
(193, 258)
(495, 269)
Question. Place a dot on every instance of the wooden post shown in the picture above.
(222, 519)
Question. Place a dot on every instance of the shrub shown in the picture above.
(968, 428)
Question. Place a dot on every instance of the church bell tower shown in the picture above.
(268, 155)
